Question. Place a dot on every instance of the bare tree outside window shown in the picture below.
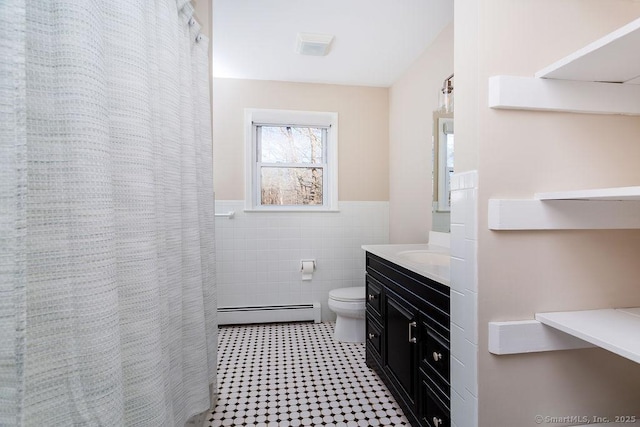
(292, 162)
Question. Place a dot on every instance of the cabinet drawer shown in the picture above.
(436, 354)
(374, 337)
(374, 296)
(433, 411)
(438, 387)
(438, 320)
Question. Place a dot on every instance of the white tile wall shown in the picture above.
(464, 299)
(258, 253)
(440, 221)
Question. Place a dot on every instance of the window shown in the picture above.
(291, 160)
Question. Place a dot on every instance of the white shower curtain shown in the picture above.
(107, 299)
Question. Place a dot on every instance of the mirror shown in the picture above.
(443, 156)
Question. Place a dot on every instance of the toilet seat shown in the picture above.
(354, 294)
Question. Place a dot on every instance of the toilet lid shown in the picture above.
(348, 294)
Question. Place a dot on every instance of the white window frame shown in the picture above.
(328, 120)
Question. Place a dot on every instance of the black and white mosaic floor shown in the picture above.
(296, 374)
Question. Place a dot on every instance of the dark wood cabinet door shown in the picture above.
(401, 348)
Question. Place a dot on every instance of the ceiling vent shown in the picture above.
(313, 44)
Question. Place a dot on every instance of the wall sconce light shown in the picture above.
(445, 101)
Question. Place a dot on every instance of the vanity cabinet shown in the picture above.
(408, 339)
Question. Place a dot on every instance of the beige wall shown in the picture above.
(465, 57)
(202, 12)
(412, 100)
(518, 153)
(363, 127)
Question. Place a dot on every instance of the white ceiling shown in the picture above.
(375, 40)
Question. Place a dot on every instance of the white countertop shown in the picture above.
(439, 273)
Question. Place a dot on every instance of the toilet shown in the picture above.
(350, 307)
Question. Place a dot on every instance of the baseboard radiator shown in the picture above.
(237, 315)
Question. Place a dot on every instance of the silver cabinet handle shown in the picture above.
(437, 421)
(437, 356)
(412, 338)
(371, 336)
(371, 297)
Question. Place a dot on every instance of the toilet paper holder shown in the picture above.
(307, 261)
(307, 267)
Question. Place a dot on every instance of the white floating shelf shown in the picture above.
(612, 58)
(619, 194)
(590, 209)
(587, 81)
(508, 214)
(616, 330)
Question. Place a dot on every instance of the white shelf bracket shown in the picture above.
(529, 336)
(514, 214)
(529, 93)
